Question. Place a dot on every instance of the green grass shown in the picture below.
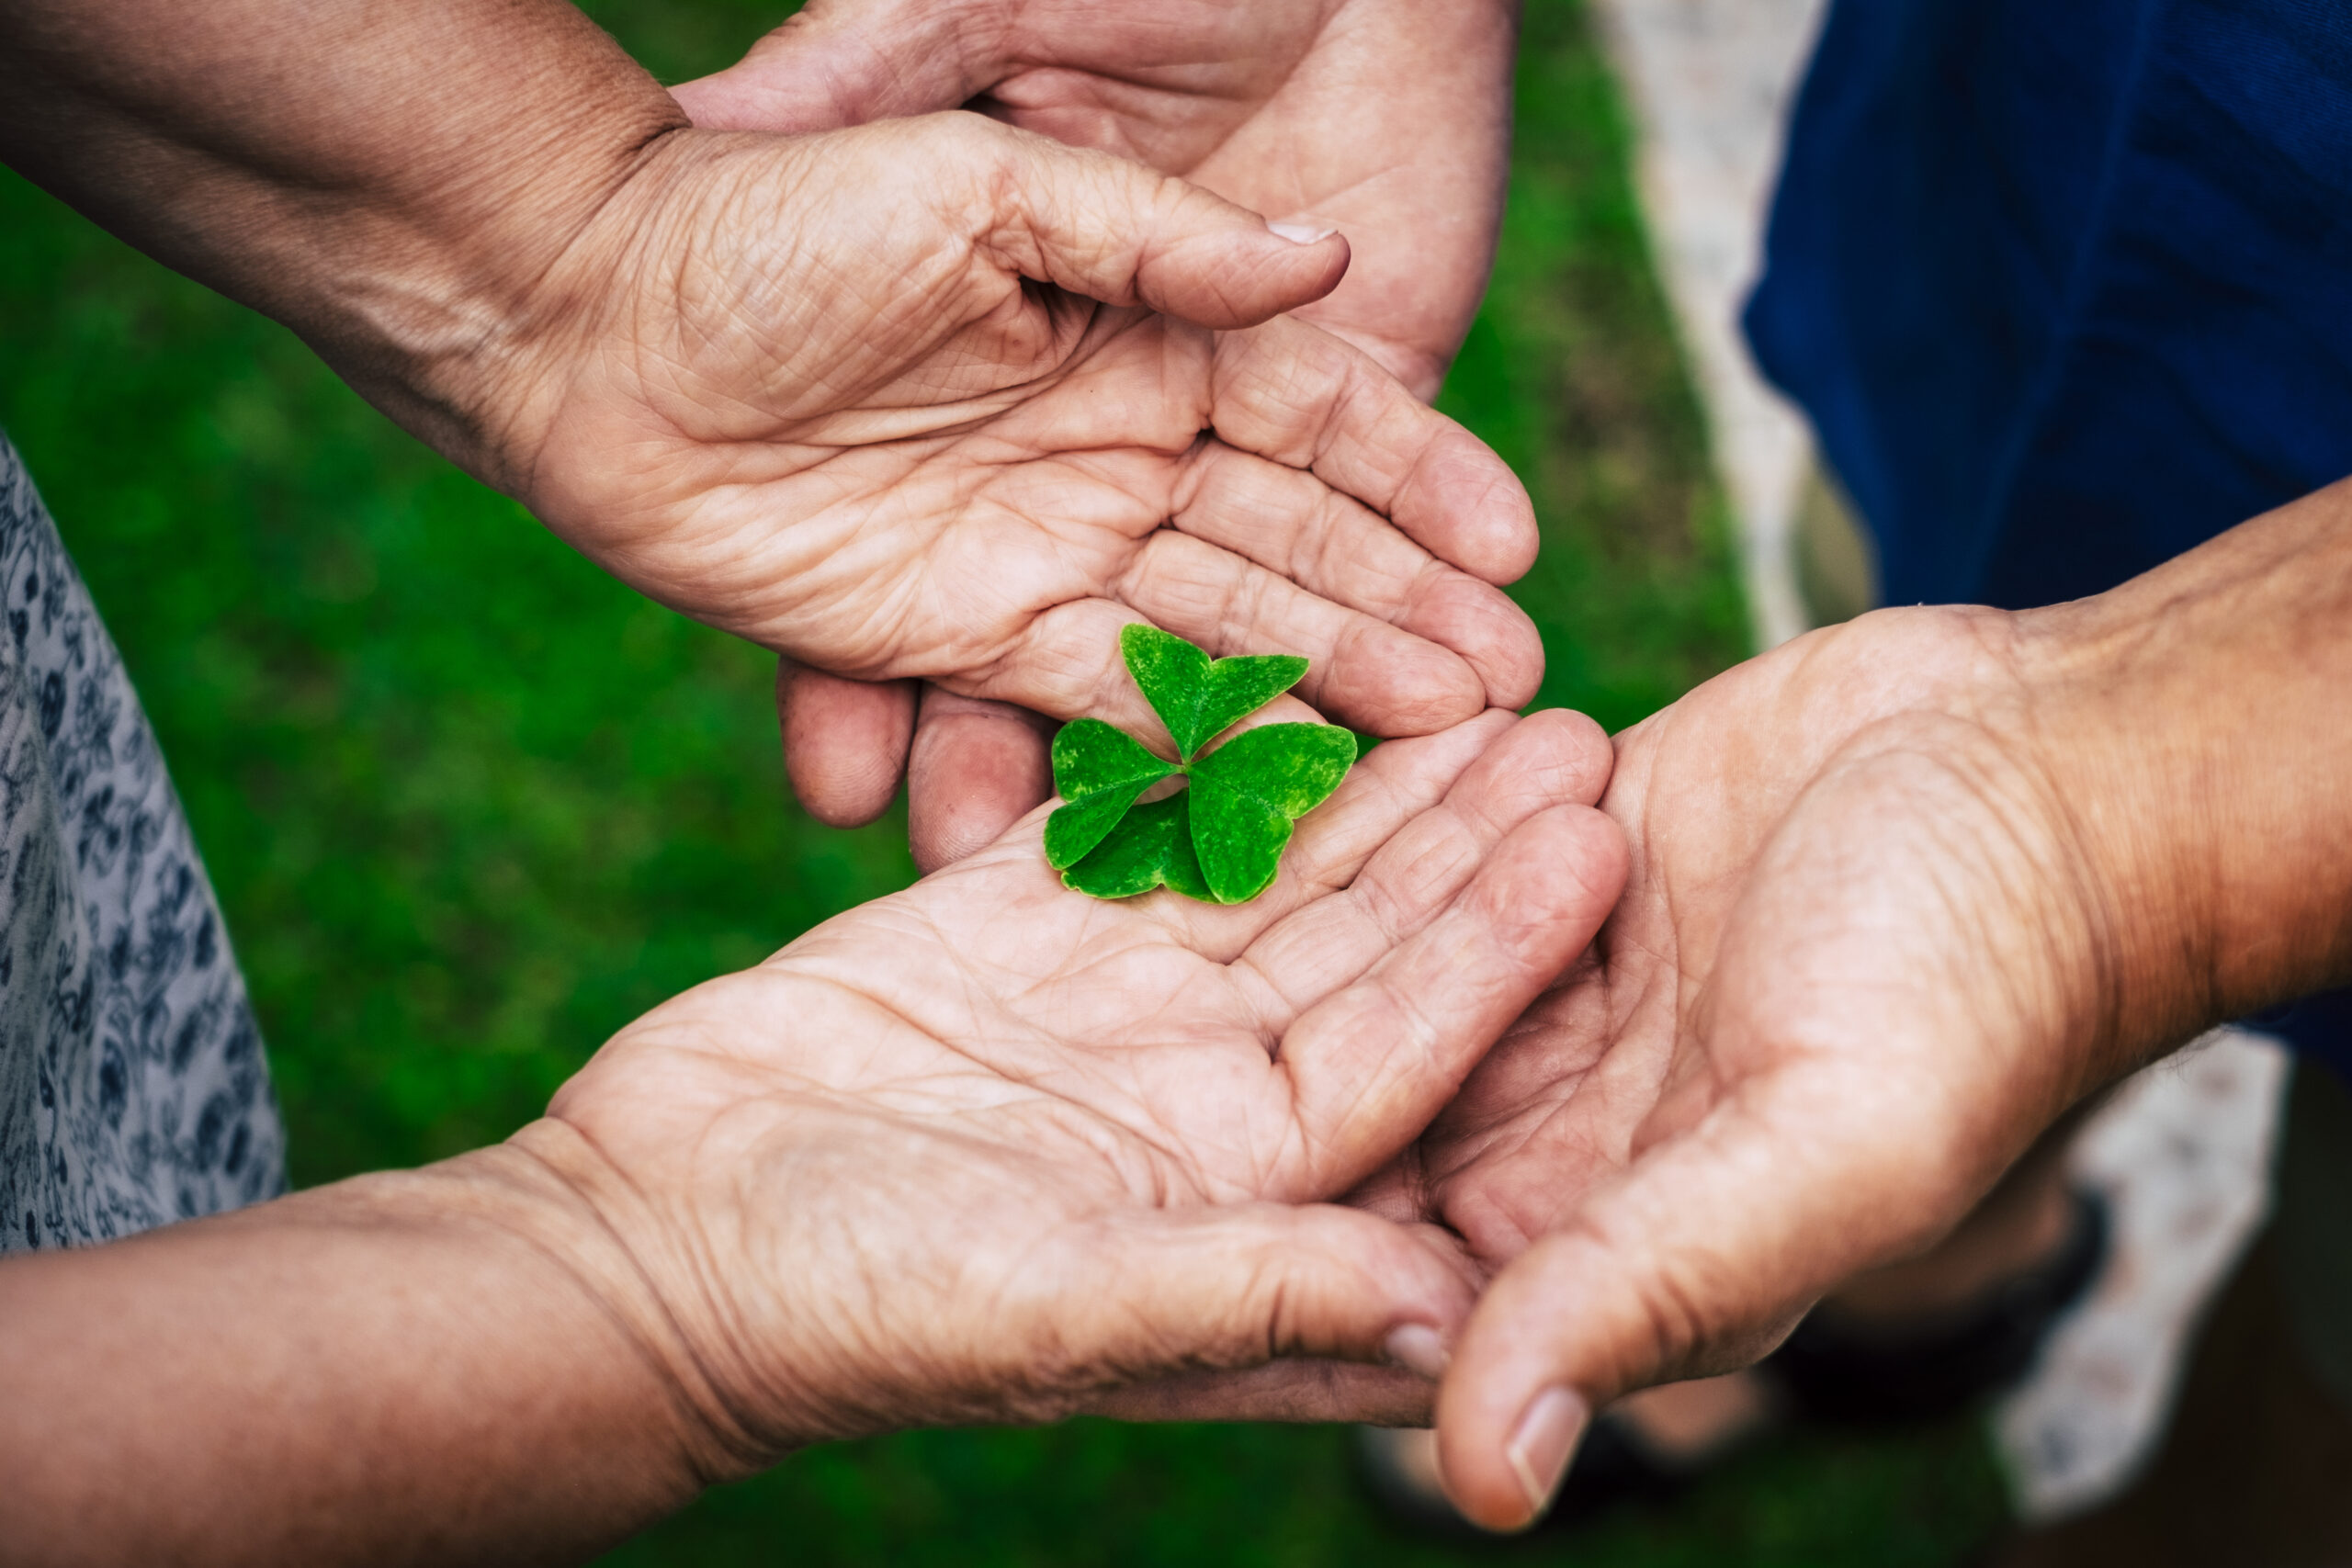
(471, 806)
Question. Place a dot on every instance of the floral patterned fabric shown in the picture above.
(132, 1088)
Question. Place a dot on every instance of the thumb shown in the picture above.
(1198, 1293)
(833, 65)
(1700, 1259)
(1116, 231)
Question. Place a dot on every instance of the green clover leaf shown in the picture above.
(1248, 792)
(1150, 846)
(1199, 699)
(1221, 839)
(1100, 770)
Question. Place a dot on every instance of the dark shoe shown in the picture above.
(1849, 1374)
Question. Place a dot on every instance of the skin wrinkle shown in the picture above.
(1999, 867)
(711, 1446)
(2013, 798)
(1335, 547)
(1672, 1305)
(1195, 88)
(1325, 857)
(852, 1328)
(869, 670)
(1447, 842)
(1166, 1155)
(701, 1388)
(877, 1314)
(1234, 505)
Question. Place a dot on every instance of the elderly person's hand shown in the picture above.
(1062, 1139)
(853, 396)
(987, 1150)
(1387, 119)
(1901, 892)
(935, 397)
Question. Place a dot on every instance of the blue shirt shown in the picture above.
(2067, 288)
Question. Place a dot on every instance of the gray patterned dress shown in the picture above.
(132, 1088)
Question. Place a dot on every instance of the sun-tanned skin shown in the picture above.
(729, 366)
(1898, 893)
(1384, 118)
(985, 1150)
(1901, 892)
(1387, 119)
(897, 401)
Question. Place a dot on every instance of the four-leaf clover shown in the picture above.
(1221, 837)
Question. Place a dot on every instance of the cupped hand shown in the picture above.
(1387, 121)
(1859, 966)
(987, 1148)
(939, 399)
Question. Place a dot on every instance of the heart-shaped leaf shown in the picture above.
(1099, 771)
(1150, 847)
(1248, 792)
(1199, 698)
(1221, 840)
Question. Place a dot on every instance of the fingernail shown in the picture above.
(1543, 1441)
(1301, 234)
(1417, 1347)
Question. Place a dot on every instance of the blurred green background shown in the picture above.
(471, 805)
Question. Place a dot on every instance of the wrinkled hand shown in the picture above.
(853, 396)
(1854, 973)
(1384, 119)
(1387, 121)
(987, 1148)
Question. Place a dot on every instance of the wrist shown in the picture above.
(468, 327)
(435, 1364)
(390, 182)
(596, 1361)
(682, 1399)
(2190, 721)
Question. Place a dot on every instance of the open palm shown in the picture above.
(1839, 998)
(1067, 1133)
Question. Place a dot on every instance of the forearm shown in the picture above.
(444, 1366)
(2199, 723)
(391, 181)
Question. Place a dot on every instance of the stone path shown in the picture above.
(1709, 82)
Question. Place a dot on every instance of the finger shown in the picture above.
(1698, 1261)
(1370, 1066)
(1360, 671)
(976, 768)
(1066, 662)
(1383, 791)
(1298, 1390)
(1230, 1288)
(835, 65)
(845, 741)
(1525, 764)
(1293, 524)
(1117, 232)
(1393, 884)
(1401, 1392)
(1301, 398)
